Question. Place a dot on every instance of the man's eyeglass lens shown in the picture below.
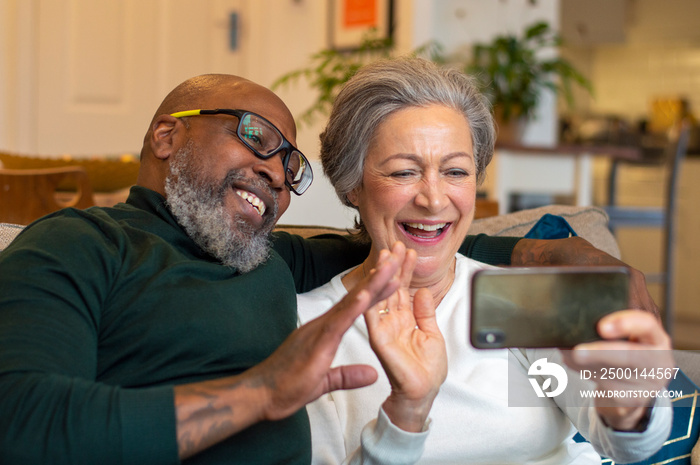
(265, 139)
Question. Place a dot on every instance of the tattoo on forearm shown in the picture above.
(574, 251)
(203, 419)
(536, 254)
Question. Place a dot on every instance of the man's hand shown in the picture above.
(634, 340)
(297, 373)
(403, 332)
(577, 251)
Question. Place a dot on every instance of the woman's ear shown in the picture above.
(163, 134)
(353, 195)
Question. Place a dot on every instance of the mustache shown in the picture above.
(236, 176)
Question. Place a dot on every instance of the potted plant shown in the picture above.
(514, 70)
(330, 69)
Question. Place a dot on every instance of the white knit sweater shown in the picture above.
(471, 421)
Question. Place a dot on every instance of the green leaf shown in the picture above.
(538, 29)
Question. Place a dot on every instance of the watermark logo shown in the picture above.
(537, 377)
(547, 370)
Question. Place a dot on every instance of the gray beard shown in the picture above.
(198, 206)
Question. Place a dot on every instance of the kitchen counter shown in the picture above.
(564, 169)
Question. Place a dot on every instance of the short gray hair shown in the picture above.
(384, 87)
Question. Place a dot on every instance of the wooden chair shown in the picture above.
(28, 194)
(656, 217)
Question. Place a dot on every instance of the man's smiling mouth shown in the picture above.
(252, 199)
(424, 231)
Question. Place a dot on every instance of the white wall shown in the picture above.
(659, 58)
(459, 23)
(319, 205)
(5, 28)
(17, 74)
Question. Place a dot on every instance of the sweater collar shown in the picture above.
(152, 202)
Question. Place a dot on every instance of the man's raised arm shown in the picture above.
(577, 251)
(298, 372)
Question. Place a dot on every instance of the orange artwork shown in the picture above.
(359, 13)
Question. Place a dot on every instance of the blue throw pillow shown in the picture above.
(551, 227)
(685, 430)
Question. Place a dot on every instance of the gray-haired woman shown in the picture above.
(406, 145)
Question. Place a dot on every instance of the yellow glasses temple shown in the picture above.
(181, 114)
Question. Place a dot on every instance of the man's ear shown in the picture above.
(164, 134)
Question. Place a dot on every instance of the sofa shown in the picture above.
(591, 223)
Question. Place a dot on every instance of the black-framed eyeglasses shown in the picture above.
(265, 140)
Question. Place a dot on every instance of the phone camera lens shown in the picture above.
(491, 337)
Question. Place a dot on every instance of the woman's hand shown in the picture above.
(405, 336)
(634, 340)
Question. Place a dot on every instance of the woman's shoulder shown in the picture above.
(470, 265)
(316, 302)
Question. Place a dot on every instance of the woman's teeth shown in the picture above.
(425, 231)
(253, 200)
(426, 227)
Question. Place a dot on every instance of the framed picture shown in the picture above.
(351, 20)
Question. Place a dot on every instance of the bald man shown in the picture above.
(163, 329)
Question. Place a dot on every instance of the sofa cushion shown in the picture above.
(8, 232)
(309, 230)
(591, 223)
(685, 429)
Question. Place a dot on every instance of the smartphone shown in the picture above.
(543, 307)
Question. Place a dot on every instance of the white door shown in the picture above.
(103, 66)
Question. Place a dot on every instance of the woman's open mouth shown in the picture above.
(425, 231)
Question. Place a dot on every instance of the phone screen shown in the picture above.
(543, 307)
